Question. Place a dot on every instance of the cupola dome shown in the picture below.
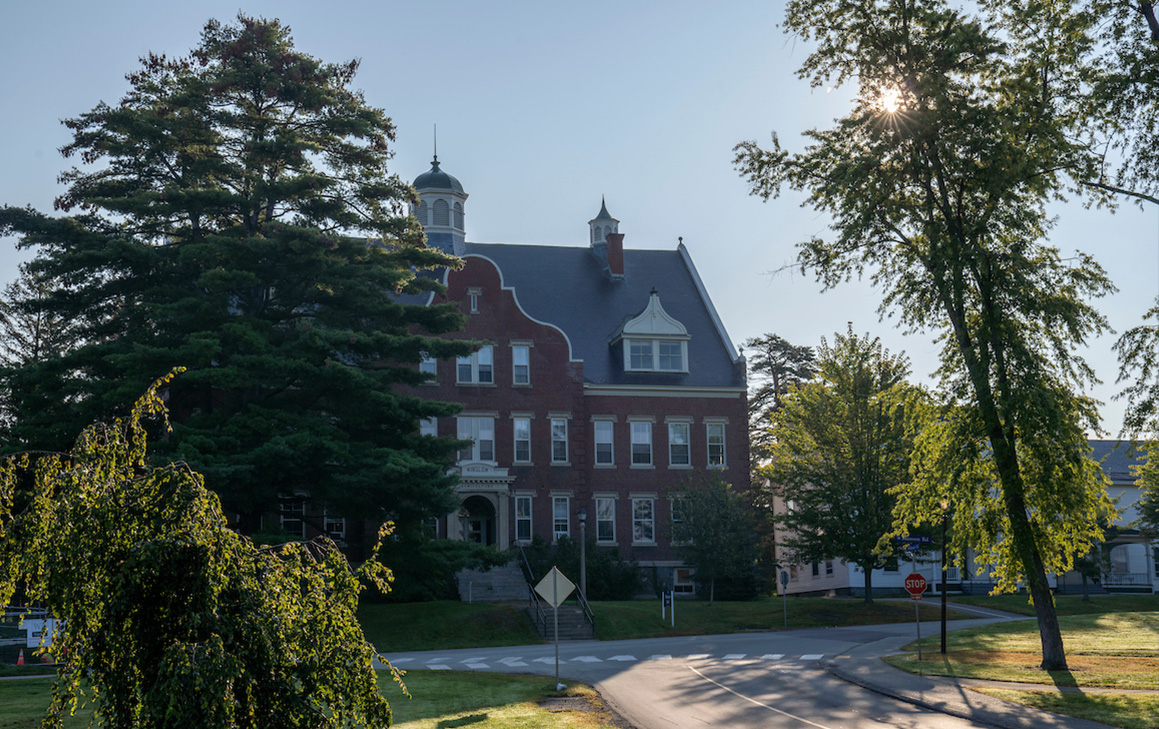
(441, 209)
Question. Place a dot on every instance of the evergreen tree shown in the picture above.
(963, 128)
(234, 215)
(840, 445)
(776, 366)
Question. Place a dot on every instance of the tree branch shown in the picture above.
(1120, 191)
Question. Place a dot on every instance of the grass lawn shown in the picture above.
(492, 701)
(1113, 650)
(1128, 711)
(444, 624)
(641, 619)
(1067, 604)
(441, 699)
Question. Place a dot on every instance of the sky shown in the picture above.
(542, 109)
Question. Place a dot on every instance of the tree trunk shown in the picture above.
(1086, 592)
(711, 590)
(867, 570)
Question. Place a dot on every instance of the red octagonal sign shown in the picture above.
(915, 584)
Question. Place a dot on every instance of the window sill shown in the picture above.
(561, 464)
(680, 466)
(643, 466)
(475, 384)
(644, 544)
(606, 543)
(603, 465)
(522, 464)
(718, 467)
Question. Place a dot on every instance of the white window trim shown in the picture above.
(515, 439)
(612, 499)
(708, 426)
(632, 422)
(651, 520)
(530, 518)
(555, 499)
(485, 356)
(555, 420)
(687, 443)
(429, 365)
(596, 422)
(525, 347)
(654, 343)
(476, 454)
(429, 426)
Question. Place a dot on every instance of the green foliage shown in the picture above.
(235, 215)
(716, 535)
(775, 366)
(425, 568)
(609, 576)
(170, 618)
(1148, 482)
(841, 444)
(942, 201)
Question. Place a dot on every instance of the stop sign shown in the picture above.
(915, 584)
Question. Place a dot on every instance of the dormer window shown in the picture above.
(655, 355)
(653, 341)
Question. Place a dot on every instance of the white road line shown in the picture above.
(438, 667)
(698, 656)
(588, 659)
(622, 658)
(735, 656)
(511, 659)
(812, 656)
(545, 659)
(472, 660)
(772, 656)
(477, 666)
(758, 703)
(660, 657)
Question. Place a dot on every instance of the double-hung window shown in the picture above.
(520, 364)
(523, 518)
(291, 517)
(715, 433)
(477, 368)
(641, 443)
(481, 432)
(559, 516)
(605, 519)
(429, 426)
(679, 454)
(521, 430)
(559, 440)
(605, 455)
(429, 366)
(643, 521)
(655, 355)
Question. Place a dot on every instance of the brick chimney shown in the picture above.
(616, 255)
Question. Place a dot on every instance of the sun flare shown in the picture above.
(890, 101)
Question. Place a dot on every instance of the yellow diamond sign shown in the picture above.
(554, 588)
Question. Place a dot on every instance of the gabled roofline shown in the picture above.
(514, 295)
(704, 298)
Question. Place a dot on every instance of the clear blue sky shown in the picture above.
(541, 109)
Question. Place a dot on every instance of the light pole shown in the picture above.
(945, 517)
(583, 517)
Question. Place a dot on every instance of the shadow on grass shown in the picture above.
(461, 721)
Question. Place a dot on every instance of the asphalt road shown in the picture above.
(740, 680)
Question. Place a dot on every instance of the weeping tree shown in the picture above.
(936, 181)
(168, 617)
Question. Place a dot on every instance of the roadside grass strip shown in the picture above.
(493, 701)
(1064, 604)
(1124, 710)
(444, 624)
(1118, 650)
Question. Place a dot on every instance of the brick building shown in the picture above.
(607, 380)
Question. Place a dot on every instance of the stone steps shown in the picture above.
(498, 584)
(573, 624)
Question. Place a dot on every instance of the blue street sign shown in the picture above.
(915, 539)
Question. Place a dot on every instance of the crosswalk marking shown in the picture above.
(545, 659)
(698, 656)
(477, 666)
(812, 656)
(660, 657)
(734, 656)
(442, 663)
(438, 667)
(772, 656)
(622, 658)
(588, 659)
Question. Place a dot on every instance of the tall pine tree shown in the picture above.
(234, 215)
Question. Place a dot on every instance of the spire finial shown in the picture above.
(436, 134)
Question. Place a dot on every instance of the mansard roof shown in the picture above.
(569, 288)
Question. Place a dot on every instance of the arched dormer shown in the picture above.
(653, 341)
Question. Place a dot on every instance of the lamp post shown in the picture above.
(583, 517)
(945, 516)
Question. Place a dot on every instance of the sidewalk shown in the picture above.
(864, 667)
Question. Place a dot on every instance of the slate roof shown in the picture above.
(1118, 457)
(568, 287)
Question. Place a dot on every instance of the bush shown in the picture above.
(424, 568)
(610, 577)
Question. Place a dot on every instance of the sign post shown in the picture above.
(785, 595)
(554, 588)
(915, 585)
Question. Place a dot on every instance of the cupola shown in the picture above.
(441, 208)
(607, 242)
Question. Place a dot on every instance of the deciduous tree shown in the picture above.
(713, 531)
(168, 617)
(234, 214)
(840, 444)
(936, 183)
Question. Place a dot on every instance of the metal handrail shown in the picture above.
(533, 597)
